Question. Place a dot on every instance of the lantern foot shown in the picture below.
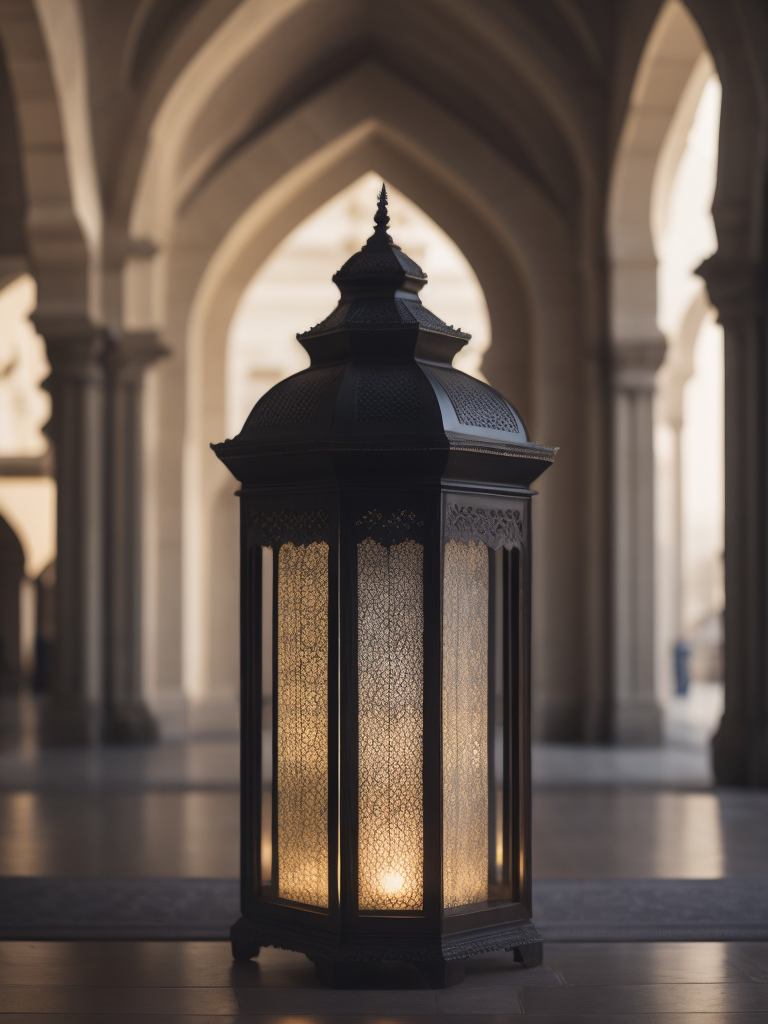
(531, 955)
(441, 973)
(243, 950)
(244, 944)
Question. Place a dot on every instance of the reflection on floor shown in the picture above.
(172, 811)
(637, 983)
(578, 833)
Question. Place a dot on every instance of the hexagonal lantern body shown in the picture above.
(385, 623)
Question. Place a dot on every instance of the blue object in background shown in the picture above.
(682, 654)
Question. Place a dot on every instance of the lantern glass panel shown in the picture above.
(466, 779)
(480, 674)
(302, 723)
(267, 712)
(390, 662)
(294, 846)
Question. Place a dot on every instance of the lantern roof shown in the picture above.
(381, 380)
(380, 288)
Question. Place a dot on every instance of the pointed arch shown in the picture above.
(674, 67)
(57, 248)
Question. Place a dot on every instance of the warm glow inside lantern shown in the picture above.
(385, 626)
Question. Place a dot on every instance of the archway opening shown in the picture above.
(292, 290)
(660, 230)
(689, 441)
(27, 503)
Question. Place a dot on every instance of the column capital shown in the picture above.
(74, 345)
(734, 286)
(635, 362)
(131, 352)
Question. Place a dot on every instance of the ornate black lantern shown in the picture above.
(385, 623)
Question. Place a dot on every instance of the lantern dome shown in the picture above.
(381, 375)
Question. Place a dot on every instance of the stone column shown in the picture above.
(637, 714)
(126, 718)
(71, 711)
(740, 747)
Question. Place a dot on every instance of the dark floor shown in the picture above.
(173, 811)
(634, 983)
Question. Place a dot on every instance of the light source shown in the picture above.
(385, 622)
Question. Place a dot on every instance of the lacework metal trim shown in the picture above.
(389, 528)
(455, 442)
(495, 527)
(270, 528)
(512, 936)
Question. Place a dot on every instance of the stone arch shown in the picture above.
(670, 77)
(735, 279)
(310, 30)
(371, 119)
(55, 240)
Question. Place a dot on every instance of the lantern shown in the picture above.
(385, 623)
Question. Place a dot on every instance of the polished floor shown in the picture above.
(578, 832)
(172, 811)
(198, 983)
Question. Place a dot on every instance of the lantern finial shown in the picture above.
(380, 236)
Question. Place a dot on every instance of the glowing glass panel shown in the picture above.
(465, 723)
(302, 723)
(390, 665)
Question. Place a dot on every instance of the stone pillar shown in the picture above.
(637, 714)
(126, 718)
(71, 711)
(740, 747)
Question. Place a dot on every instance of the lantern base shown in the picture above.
(337, 964)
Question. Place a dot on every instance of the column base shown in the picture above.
(129, 723)
(214, 715)
(740, 753)
(639, 724)
(67, 723)
(169, 710)
(10, 718)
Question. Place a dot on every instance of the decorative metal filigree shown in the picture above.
(270, 528)
(516, 935)
(475, 403)
(495, 527)
(389, 527)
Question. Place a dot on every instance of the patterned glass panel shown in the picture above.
(267, 711)
(465, 723)
(302, 723)
(390, 702)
